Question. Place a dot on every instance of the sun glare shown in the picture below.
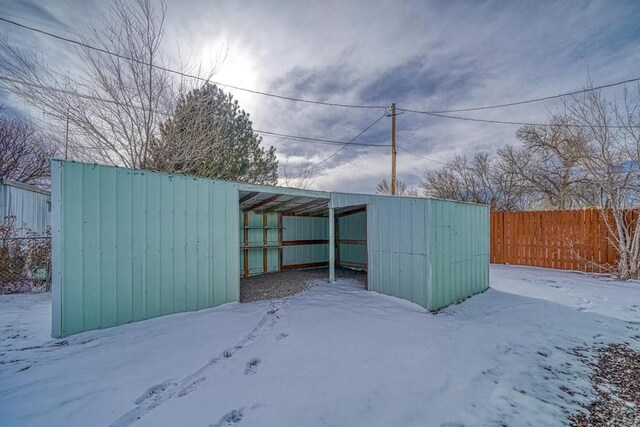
(234, 66)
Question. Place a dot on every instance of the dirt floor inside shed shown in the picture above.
(287, 283)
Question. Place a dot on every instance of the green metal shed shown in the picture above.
(130, 244)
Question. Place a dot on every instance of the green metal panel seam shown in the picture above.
(56, 249)
(86, 207)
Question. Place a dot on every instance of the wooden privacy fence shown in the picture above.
(569, 240)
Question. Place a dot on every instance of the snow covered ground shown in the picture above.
(331, 356)
(583, 291)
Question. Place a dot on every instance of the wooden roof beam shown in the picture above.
(248, 197)
(285, 203)
(304, 208)
(262, 203)
(317, 210)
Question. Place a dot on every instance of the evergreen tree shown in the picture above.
(210, 135)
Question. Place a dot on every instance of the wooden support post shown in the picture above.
(279, 241)
(332, 246)
(337, 240)
(265, 224)
(394, 149)
(246, 244)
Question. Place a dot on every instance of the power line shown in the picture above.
(544, 98)
(418, 155)
(78, 94)
(318, 140)
(183, 74)
(349, 142)
(505, 122)
(446, 116)
(261, 132)
(436, 113)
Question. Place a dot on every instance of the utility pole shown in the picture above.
(393, 149)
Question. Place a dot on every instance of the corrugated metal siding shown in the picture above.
(428, 251)
(256, 238)
(399, 263)
(460, 242)
(30, 208)
(398, 244)
(305, 228)
(130, 245)
(353, 227)
(273, 239)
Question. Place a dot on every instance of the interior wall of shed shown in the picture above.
(305, 242)
(272, 242)
(259, 243)
(351, 239)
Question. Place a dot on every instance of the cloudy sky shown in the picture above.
(420, 55)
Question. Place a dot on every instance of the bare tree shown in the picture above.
(477, 180)
(122, 98)
(442, 183)
(301, 176)
(402, 189)
(549, 164)
(24, 152)
(612, 134)
(509, 193)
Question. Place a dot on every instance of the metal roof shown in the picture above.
(29, 187)
(298, 203)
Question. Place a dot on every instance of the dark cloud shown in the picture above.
(316, 82)
(33, 12)
(422, 77)
(422, 55)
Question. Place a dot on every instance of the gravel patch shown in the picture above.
(616, 380)
(287, 283)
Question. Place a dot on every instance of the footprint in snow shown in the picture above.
(252, 366)
(154, 392)
(585, 304)
(282, 336)
(230, 419)
(191, 387)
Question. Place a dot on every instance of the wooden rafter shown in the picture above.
(280, 205)
(262, 202)
(302, 207)
(308, 207)
(248, 197)
(316, 210)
